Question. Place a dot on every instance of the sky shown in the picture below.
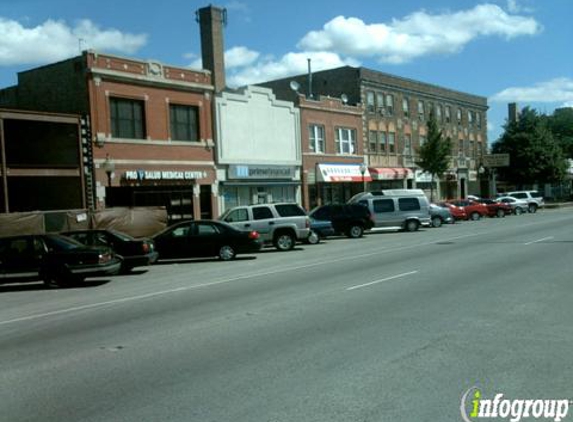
(505, 50)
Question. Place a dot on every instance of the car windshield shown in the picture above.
(62, 243)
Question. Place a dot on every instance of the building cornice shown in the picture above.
(113, 75)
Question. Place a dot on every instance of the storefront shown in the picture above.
(248, 184)
(391, 178)
(337, 183)
(186, 194)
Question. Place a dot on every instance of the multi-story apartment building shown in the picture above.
(394, 122)
(151, 127)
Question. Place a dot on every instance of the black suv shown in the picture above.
(55, 259)
(348, 219)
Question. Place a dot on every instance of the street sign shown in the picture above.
(496, 160)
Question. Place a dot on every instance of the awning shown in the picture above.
(391, 173)
(342, 173)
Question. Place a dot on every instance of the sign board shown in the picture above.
(496, 160)
(164, 175)
(261, 172)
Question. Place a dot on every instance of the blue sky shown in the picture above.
(506, 50)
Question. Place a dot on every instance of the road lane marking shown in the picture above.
(538, 240)
(359, 286)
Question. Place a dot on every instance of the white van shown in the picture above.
(404, 209)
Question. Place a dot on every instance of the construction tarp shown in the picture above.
(16, 223)
(137, 222)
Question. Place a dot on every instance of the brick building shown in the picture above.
(394, 120)
(332, 150)
(151, 127)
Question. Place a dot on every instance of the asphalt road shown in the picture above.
(391, 327)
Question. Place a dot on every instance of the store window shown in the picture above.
(345, 141)
(127, 118)
(316, 138)
(184, 122)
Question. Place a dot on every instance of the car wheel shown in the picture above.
(355, 232)
(284, 241)
(518, 211)
(436, 222)
(532, 208)
(475, 216)
(412, 225)
(226, 253)
(500, 213)
(313, 238)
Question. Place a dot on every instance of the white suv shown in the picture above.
(280, 224)
(534, 198)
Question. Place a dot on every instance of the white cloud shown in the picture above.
(514, 6)
(269, 68)
(55, 40)
(555, 90)
(418, 34)
(567, 104)
(240, 57)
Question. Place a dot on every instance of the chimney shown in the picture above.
(513, 112)
(211, 20)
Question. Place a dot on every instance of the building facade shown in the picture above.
(332, 150)
(151, 128)
(258, 154)
(394, 122)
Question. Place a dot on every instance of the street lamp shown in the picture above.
(109, 167)
(363, 169)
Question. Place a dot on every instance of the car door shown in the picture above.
(174, 243)
(239, 218)
(205, 239)
(385, 213)
(263, 221)
(22, 258)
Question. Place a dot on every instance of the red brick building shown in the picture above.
(332, 150)
(151, 127)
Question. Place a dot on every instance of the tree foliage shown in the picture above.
(535, 155)
(434, 155)
(561, 126)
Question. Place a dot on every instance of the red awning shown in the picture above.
(390, 173)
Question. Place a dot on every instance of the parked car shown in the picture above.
(402, 208)
(459, 213)
(54, 259)
(205, 238)
(519, 206)
(348, 219)
(133, 252)
(494, 207)
(281, 225)
(474, 211)
(440, 215)
(533, 198)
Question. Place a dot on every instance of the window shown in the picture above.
(423, 140)
(391, 142)
(407, 144)
(127, 118)
(408, 204)
(184, 122)
(345, 141)
(478, 120)
(479, 148)
(421, 111)
(204, 229)
(262, 213)
(470, 118)
(372, 140)
(382, 142)
(459, 116)
(379, 102)
(316, 138)
(240, 214)
(289, 210)
(439, 113)
(383, 205)
(181, 231)
(461, 147)
(390, 104)
(406, 107)
(370, 106)
(472, 150)
(448, 114)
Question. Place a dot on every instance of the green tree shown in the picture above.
(534, 154)
(561, 126)
(434, 155)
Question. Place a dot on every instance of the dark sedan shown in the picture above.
(194, 239)
(133, 252)
(56, 260)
